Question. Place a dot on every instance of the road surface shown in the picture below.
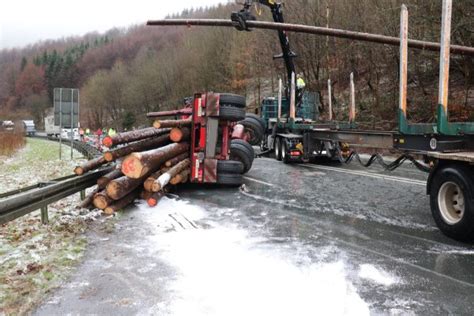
(295, 240)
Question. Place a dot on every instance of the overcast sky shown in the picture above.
(24, 22)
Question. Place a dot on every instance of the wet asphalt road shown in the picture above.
(296, 239)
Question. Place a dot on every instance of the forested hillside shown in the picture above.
(127, 72)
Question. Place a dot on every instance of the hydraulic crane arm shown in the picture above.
(287, 54)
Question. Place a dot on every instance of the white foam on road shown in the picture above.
(375, 275)
(224, 271)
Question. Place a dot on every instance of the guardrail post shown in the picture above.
(44, 215)
(330, 99)
(83, 195)
(352, 109)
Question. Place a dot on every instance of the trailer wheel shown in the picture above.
(231, 113)
(229, 179)
(253, 130)
(452, 203)
(256, 118)
(230, 166)
(228, 99)
(242, 151)
(284, 152)
(277, 148)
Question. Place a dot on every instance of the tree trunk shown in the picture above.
(133, 136)
(122, 186)
(165, 178)
(90, 165)
(102, 200)
(89, 199)
(136, 165)
(178, 134)
(142, 145)
(175, 160)
(105, 179)
(172, 123)
(118, 205)
(155, 198)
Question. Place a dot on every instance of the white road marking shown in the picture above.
(370, 175)
(259, 181)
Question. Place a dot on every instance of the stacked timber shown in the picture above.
(147, 162)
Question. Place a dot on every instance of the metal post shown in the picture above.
(60, 121)
(443, 124)
(72, 121)
(280, 92)
(330, 99)
(44, 215)
(352, 113)
(293, 97)
(83, 195)
(402, 115)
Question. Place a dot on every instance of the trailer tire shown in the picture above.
(230, 166)
(230, 179)
(284, 152)
(242, 151)
(452, 201)
(253, 130)
(277, 148)
(231, 113)
(256, 118)
(235, 100)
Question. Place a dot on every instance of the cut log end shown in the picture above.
(109, 211)
(100, 201)
(132, 167)
(107, 141)
(156, 124)
(108, 156)
(156, 187)
(112, 189)
(179, 134)
(79, 171)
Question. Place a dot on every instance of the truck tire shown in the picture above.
(229, 99)
(452, 201)
(231, 113)
(242, 151)
(284, 152)
(230, 166)
(277, 148)
(256, 118)
(229, 179)
(253, 130)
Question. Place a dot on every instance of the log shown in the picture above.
(105, 179)
(120, 187)
(165, 178)
(148, 184)
(172, 123)
(102, 200)
(155, 198)
(145, 195)
(132, 136)
(141, 145)
(89, 165)
(178, 134)
(179, 178)
(185, 111)
(186, 179)
(175, 160)
(136, 165)
(120, 204)
(89, 199)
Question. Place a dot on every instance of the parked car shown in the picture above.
(7, 126)
(29, 127)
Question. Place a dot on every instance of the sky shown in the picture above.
(24, 22)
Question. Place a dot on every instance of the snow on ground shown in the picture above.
(35, 257)
(222, 270)
(37, 161)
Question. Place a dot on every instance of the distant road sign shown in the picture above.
(66, 101)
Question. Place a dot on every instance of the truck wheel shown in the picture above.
(230, 166)
(277, 148)
(228, 99)
(230, 179)
(242, 151)
(231, 113)
(253, 130)
(284, 152)
(256, 118)
(452, 203)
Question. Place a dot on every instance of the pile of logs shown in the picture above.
(147, 162)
